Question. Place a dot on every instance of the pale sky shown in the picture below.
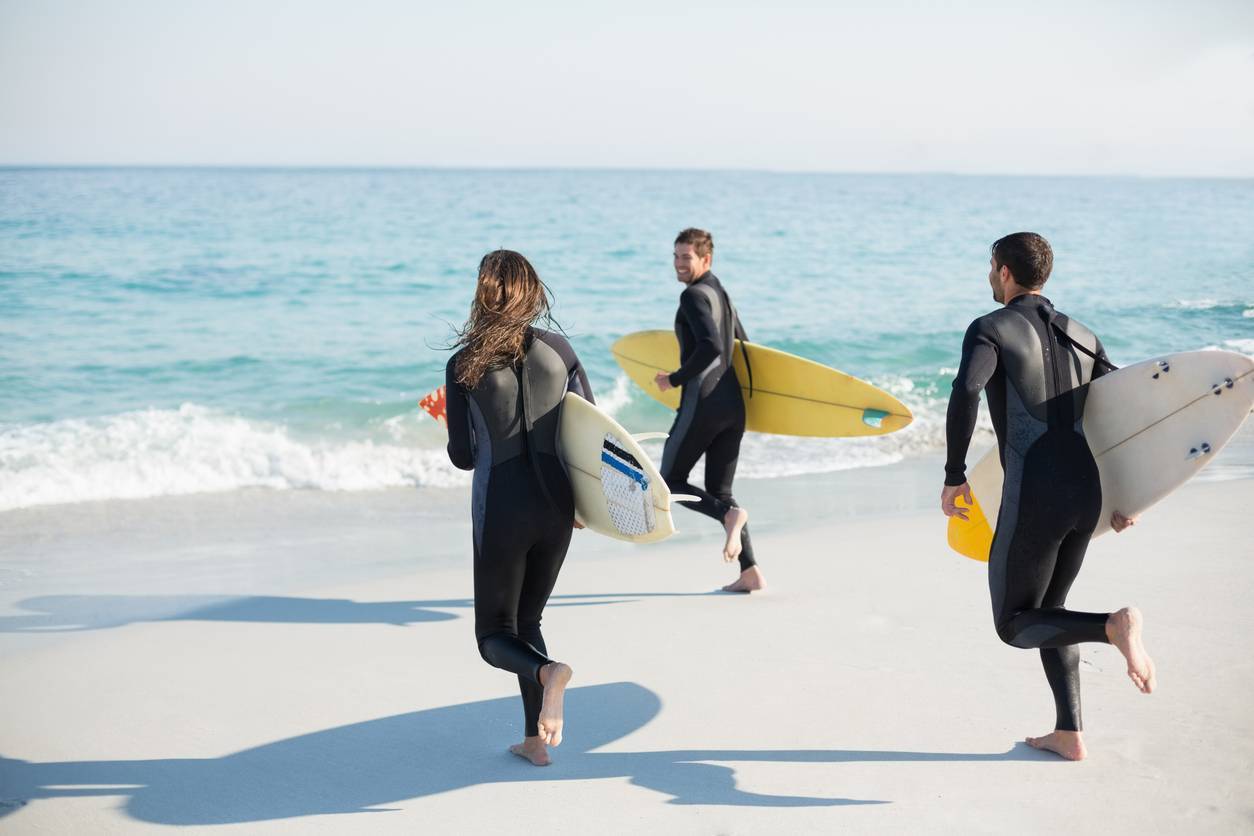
(1144, 88)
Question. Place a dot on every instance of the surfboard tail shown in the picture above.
(972, 537)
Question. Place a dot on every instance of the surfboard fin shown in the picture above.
(650, 436)
(874, 417)
(684, 497)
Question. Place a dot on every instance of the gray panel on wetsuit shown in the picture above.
(706, 379)
(1022, 431)
(688, 400)
(483, 469)
(547, 381)
(497, 398)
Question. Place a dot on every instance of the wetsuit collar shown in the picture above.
(1025, 297)
(707, 274)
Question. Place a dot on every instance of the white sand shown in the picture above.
(866, 691)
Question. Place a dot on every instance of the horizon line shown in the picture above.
(541, 169)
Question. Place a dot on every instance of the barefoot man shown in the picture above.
(1035, 364)
(711, 417)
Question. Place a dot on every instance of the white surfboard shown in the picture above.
(1151, 427)
(618, 490)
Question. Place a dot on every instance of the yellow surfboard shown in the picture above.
(791, 395)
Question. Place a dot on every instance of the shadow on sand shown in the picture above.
(362, 766)
(70, 613)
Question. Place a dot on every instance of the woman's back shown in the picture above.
(513, 410)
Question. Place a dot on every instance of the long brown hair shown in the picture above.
(509, 297)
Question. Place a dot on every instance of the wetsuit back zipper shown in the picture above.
(1058, 415)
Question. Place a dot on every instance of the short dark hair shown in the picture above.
(1028, 257)
(702, 242)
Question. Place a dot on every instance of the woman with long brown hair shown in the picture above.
(504, 388)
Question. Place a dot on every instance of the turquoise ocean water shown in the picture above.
(167, 331)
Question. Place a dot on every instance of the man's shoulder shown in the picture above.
(990, 321)
(703, 291)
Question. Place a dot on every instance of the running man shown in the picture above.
(1036, 364)
(711, 416)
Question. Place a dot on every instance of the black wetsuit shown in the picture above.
(521, 502)
(1036, 380)
(711, 416)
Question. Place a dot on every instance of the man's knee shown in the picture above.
(1005, 629)
(486, 645)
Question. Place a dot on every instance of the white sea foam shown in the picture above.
(194, 450)
(1244, 346)
(1194, 304)
(1240, 346)
(1248, 313)
(618, 397)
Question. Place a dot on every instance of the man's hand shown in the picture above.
(1121, 523)
(949, 496)
(663, 381)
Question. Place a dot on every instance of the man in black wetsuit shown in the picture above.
(711, 416)
(1036, 365)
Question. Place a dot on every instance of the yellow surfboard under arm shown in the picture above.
(790, 395)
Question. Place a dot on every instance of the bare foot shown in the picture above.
(553, 677)
(750, 580)
(533, 750)
(1123, 628)
(1066, 743)
(733, 521)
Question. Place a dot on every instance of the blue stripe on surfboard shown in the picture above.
(622, 468)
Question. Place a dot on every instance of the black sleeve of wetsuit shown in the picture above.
(694, 307)
(979, 361)
(577, 377)
(461, 443)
